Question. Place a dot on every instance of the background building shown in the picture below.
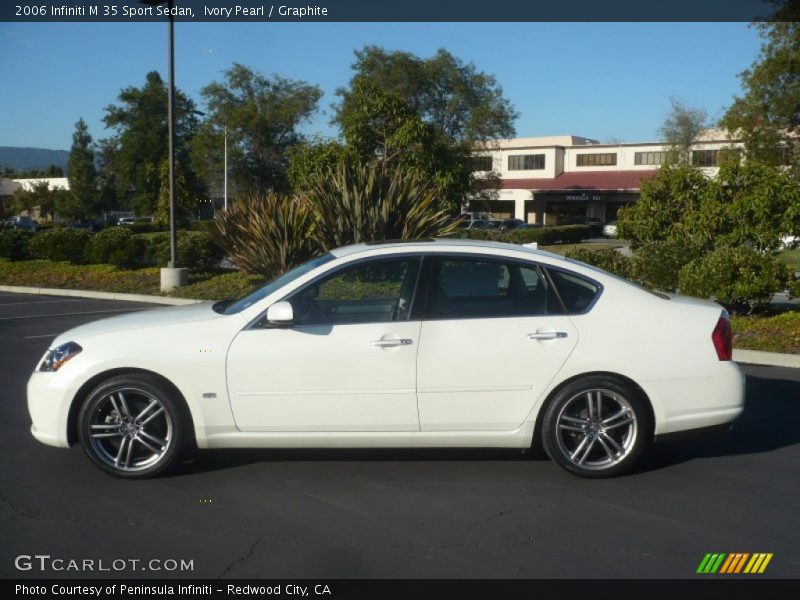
(567, 178)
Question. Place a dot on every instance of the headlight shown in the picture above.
(56, 357)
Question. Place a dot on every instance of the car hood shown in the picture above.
(140, 320)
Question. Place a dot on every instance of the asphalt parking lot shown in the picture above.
(396, 513)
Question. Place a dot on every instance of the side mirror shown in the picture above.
(280, 313)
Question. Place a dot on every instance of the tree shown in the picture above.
(382, 126)
(81, 201)
(461, 102)
(39, 197)
(768, 112)
(261, 116)
(186, 198)
(681, 128)
(134, 155)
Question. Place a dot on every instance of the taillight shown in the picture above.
(722, 336)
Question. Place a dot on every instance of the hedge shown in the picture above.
(14, 244)
(116, 246)
(60, 244)
(547, 235)
(196, 250)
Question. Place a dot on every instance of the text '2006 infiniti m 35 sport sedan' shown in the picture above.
(433, 343)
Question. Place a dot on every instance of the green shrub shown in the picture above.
(548, 235)
(115, 246)
(14, 244)
(196, 250)
(228, 285)
(657, 264)
(607, 259)
(739, 278)
(61, 244)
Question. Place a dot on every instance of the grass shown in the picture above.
(778, 333)
(791, 258)
(107, 278)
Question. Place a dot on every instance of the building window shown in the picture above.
(787, 154)
(704, 158)
(650, 158)
(526, 162)
(597, 160)
(481, 163)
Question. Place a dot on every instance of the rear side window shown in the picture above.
(577, 293)
(467, 287)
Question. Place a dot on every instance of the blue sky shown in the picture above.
(599, 80)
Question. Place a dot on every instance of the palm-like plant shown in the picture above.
(371, 202)
(268, 234)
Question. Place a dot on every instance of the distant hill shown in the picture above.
(32, 158)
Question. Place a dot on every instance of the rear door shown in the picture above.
(494, 334)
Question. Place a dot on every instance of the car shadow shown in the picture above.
(768, 422)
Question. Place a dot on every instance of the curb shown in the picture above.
(773, 359)
(14, 289)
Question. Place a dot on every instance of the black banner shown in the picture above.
(370, 10)
(373, 589)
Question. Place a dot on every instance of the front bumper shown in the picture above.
(48, 406)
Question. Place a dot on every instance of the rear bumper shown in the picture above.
(697, 403)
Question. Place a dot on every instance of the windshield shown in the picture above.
(276, 284)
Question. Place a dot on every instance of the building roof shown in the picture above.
(627, 181)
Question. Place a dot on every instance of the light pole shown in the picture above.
(172, 276)
(225, 188)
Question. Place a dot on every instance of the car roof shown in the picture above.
(443, 244)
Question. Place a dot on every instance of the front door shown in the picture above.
(347, 364)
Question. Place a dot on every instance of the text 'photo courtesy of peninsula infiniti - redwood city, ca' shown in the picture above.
(431, 343)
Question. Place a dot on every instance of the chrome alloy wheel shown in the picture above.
(130, 429)
(596, 429)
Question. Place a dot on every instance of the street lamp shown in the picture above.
(172, 276)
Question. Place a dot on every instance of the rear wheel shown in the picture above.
(132, 427)
(596, 427)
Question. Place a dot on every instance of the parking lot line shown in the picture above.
(91, 312)
(39, 302)
(33, 337)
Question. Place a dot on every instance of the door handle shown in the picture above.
(392, 343)
(547, 335)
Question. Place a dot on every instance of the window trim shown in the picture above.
(590, 306)
(435, 261)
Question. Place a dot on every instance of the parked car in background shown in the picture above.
(468, 220)
(511, 224)
(22, 223)
(610, 229)
(430, 343)
(134, 220)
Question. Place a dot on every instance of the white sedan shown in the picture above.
(437, 343)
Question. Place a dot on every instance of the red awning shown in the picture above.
(625, 181)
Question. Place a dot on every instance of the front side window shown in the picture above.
(467, 287)
(369, 292)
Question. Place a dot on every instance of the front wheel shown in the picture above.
(596, 427)
(131, 427)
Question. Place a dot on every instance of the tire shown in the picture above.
(132, 426)
(605, 443)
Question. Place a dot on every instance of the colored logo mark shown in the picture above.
(734, 563)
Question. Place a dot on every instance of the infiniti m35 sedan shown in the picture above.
(432, 343)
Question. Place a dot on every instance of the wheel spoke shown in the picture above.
(617, 448)
(147, 445)
(146, 409)
(116, 407)
(627, 421)
(107, 435)
(608, 450)
(566, 427)
(572, 419)
(124, 404)
(598, 395)
(590, 405)
(105, 426)
(586, 453)
(129, 454)
(153, 416)
(580, 446)
(615, 416)
(154, 439)
(120, 451)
